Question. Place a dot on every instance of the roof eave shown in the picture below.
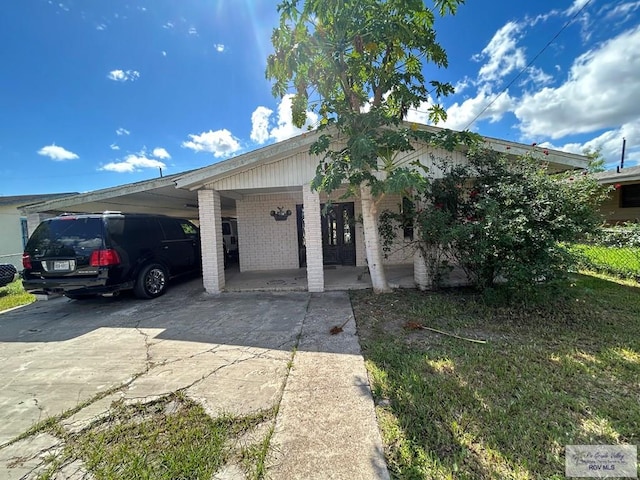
(61, 204)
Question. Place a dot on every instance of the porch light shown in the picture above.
(280, 215)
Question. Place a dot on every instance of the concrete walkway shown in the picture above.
(326, 426)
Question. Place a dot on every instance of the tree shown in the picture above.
(359, 65)
(596, 160)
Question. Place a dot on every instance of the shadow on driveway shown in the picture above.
(184, 313)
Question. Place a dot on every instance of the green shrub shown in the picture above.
(503, 219)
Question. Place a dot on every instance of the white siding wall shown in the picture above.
(292, 171)
(11, 237)
(263, 243)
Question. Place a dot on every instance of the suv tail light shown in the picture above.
(104, 258)
(26, 261)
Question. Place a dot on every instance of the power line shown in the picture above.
(569, 22)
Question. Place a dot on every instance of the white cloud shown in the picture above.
(536, 76)
(575, 7)
(101, 27)
(460, 115)
(122, 131)
(123, 75)
(622, 10)
(113, 146)
(164, 54)
(133, 163)
(260, 124)
(502, 53)
(602, 91)
(193, 31)
(161, 153)
(462, 85)
(219, 47)
(221, 143)
(59, 154)
(168, 26)
(610, 144)
(283, 129)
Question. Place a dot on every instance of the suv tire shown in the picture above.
(151, 282)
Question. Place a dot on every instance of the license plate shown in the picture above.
(62, 265)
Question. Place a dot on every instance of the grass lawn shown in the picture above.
(167, 439)
(565, 372)
(13, 295)
(623, 262)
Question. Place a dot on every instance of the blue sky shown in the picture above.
(97, 94)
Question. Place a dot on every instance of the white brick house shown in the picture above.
(277, 178)
(252, 186)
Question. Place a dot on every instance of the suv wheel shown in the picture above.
(151, 282)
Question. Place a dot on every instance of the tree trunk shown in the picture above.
(372, 241)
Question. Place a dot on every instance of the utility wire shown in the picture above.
(569, 22)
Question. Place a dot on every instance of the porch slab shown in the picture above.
(336, 278)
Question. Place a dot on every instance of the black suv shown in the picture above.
(91, 254)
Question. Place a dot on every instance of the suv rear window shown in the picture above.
(66, 237)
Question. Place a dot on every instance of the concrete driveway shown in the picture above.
(230, 352)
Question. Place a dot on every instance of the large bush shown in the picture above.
(501, 219)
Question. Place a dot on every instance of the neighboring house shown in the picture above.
(623, 204)
(14, 226)
(282, 223)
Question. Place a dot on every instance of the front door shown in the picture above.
(338, 234)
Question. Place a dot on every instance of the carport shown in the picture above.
(158, 195)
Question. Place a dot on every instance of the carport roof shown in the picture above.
(23, 200)
(158, 195)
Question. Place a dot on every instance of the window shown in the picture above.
(630, 196)
(408, 209)
(189, 229)
(172, 229)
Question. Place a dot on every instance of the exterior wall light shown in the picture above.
(280, 214)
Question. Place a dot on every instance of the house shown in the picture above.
(14, 225)
(623, 204)
(282, 222)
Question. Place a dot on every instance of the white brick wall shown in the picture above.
(313, 240)
(420, 274)
(211, 241)
(401, 250)
(263, 243)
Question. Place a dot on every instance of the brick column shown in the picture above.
(211, 240)
(420, 274)
(313, 239)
